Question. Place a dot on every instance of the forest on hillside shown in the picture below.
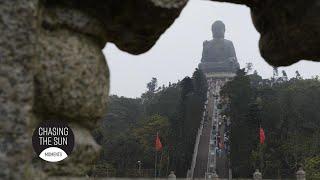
(127, 133)
(289, 112)
(288, 109)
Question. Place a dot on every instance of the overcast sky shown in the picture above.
(178, 51)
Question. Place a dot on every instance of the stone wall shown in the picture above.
(52, 68)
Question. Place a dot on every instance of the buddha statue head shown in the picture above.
(218, 29)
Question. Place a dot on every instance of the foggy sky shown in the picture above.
(178, 51)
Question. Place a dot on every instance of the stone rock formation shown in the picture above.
(52, 68)
(290, 29)
(51, 65)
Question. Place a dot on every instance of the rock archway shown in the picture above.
(52, 67)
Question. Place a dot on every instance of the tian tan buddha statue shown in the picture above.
(218, 54)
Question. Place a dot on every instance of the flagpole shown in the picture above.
(160, 163)
(260, 147)
(260, 144)
(155, 166)
(155, 162)
(168, 162)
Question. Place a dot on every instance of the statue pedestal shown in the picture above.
(220, 75)
(219, 68)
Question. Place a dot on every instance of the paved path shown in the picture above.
(203, 148)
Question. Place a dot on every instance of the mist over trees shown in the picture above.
(288, 109)
(289, 112)
(129, 129)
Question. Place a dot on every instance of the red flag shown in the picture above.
(158, 143)
(221, 145)
(262, 136)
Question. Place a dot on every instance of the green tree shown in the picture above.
(289, 113)
(152, 85)
(127, 133)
